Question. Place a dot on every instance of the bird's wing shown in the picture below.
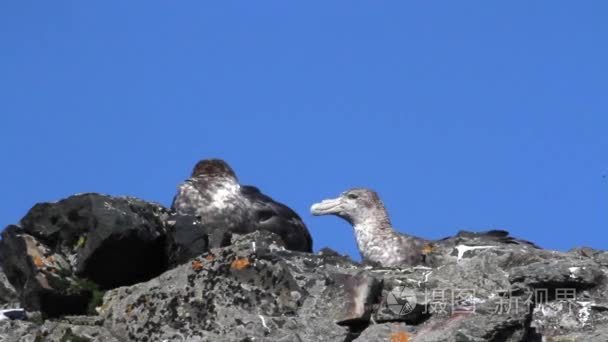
(286, 220)
(490, 236)
(258, 198)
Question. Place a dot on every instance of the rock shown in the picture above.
(253, 288)
(53, 331)
(183, 282)
(8, 295)
(552, 274)
(21, 331)
(393, 332)
(75, 329)
(356, 295)
(112, 241)
(187, 239)
(43, 279)
(66, 253)
(256, 289)
(484, 324)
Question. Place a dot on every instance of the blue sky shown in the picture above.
(461, 114)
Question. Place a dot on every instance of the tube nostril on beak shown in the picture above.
(314, 208)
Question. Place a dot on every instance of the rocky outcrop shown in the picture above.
(64, 254)
(197, 285)
(68, 329)
(97, 233)
(8, 295)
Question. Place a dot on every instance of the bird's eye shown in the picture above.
(352, 196)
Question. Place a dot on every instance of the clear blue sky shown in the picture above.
(461, 114)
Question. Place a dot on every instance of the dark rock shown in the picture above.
(100, 233)
(42, 278)
(392, 331)
(187, 238)
(8, 295)
(67, 252)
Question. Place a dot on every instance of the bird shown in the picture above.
(214, 196)
(381, 245)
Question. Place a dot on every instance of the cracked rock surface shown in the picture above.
(101, 268)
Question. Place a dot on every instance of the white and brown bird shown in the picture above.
(381, 245)
(214, 196)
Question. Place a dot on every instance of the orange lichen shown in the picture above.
(400, 336)
(197, 265)
(240, 263)
(38, 261)
(428, 248)
(209, 257)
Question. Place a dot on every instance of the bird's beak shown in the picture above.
(327, 207)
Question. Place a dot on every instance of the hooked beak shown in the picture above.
(327, 207)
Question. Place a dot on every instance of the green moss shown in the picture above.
(59, 283)
(83, 284)
(81, 241)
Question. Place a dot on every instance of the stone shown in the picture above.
(8, 295)
(184, 282)
(64, 254)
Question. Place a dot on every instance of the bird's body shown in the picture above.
(389, 248)
(215, 203)
(380, 244)
(214, 196)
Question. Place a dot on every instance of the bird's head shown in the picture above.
(213, 168)
(354, 205)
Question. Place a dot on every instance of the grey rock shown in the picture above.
(484, 324)
(355, 294)
(13, 331)
(256, 289)
(551, 274)
(392, 331)
(53, 331)
(253, 289)
(214, 285)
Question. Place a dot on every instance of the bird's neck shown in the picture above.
(375, 219)
(375, 226)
